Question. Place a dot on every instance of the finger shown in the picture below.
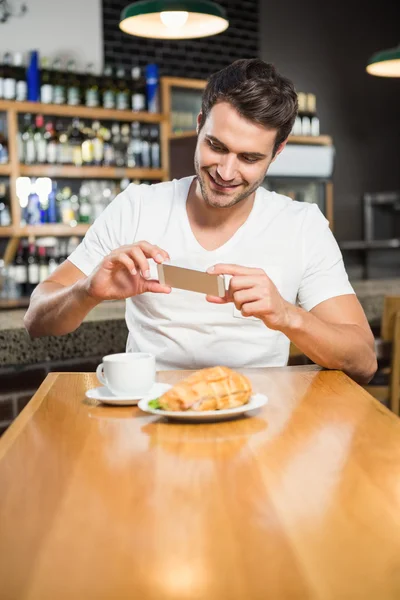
(156, 288)
(228, 269)
(243, 296)
(243, 282)
(152, 251)
(124, 260)
(216, 300)
(141, 262)
(252, 309)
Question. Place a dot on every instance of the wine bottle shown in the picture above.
(59, 83)
(92, 88)
(21, 88)
(123, 92)
(312, 111)
(109, 89)
(138, 91)
(73, 85)
(9, 82)
(46, 83)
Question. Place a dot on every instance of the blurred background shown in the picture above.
(87, 108)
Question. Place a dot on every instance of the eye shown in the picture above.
(250, 161)
(214, 146)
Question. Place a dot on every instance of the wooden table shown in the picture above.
(301, 501)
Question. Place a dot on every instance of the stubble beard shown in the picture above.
(214, 203)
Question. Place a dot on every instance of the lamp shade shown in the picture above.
(385, 63)
(173, 19)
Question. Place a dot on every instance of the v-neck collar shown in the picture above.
(184, 217)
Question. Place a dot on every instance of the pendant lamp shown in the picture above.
(173, 19)
(385, 63)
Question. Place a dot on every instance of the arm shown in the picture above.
(334, 334)
(59, 304)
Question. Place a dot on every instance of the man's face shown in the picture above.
(232, 156)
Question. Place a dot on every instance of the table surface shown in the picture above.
(300, 501)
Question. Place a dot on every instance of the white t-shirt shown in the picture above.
(290, 240)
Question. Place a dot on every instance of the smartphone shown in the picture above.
(191, 280)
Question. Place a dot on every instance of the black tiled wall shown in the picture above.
(184, 58)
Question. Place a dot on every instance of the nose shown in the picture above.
(227, 167)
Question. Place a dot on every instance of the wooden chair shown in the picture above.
(388, 346)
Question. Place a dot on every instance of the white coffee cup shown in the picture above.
(128, 373)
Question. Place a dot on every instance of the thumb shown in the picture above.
(155, 287)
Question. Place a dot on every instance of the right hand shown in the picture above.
(125, 273)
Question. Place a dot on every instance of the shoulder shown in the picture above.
(291, 211)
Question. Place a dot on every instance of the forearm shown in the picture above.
(335, 346)
(55, 309)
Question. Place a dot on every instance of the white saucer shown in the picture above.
(103, 394)
(256, 401)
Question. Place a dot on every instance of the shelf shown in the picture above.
(321, 140)
(7, 231)
(183, 134)
(69, 171)
(51, 229)
(84, 112)
(5, 170)
(373, 245)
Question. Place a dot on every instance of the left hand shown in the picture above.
(254, 295)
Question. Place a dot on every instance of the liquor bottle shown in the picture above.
(109, 152)
(87, 146)
(21, 271)
(53, 263)
(9, 82)
(303, 114)
(33, 212)
(75, 139)
(5, 216)
(123, 92)
(59, 83)
(53, 216)
(85, 208)
(1, 80)
(138, 91)
(29, 148)
(155, 148)
(33, 77)
(21, 88)
(144, 134)
(73, 86)
(91, 89)
(33, 269)
(116, 141)
(43, 264)
(152, 89)
(40, 140)
(66, 208)
(51, 143)
(136, 144)
(3, 144)
(46, 86)
(109, 89)
(312, 112)
(125, 139)
(98, 143)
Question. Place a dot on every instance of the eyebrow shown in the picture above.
(250, 154)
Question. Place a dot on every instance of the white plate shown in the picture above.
(256, 401)
(103, 394)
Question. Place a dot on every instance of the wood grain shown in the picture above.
(300, 501)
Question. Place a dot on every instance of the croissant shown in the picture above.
(214, 388)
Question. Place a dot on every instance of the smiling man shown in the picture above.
(285, 271)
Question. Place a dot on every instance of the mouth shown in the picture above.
(221, 188)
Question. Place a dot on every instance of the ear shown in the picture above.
(199, 116)
(280, 148)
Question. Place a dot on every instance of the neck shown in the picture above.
(211, 217)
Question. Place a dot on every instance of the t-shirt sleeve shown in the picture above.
(324, 276)
(116, 226)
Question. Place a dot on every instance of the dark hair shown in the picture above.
(259, 94)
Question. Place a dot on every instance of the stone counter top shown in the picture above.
(104, 329)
